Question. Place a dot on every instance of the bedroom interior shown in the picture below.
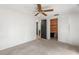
(39, 29)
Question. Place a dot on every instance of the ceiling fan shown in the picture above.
(40, 10)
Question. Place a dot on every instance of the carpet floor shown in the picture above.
(42, 47)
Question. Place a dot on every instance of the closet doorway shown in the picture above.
(54, 28)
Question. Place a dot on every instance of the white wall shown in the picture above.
(16, 25)
(69, 27)
(64, 28)
(74, 29)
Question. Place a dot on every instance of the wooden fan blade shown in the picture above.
(48, 10)
(44, 14)
(36, 14)
(39, 7)
(56, 15)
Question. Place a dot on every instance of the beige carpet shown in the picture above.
(42, 47)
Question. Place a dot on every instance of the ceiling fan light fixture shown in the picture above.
(40, 10)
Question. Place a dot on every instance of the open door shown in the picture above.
(54, 28)
(44, 29)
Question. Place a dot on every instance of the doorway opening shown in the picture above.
(41, 29)
(54, 28)
(44, 29)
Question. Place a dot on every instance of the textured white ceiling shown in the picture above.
(58, 9)
(26, 8)
(31, 8)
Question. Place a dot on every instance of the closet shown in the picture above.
(54, 28)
